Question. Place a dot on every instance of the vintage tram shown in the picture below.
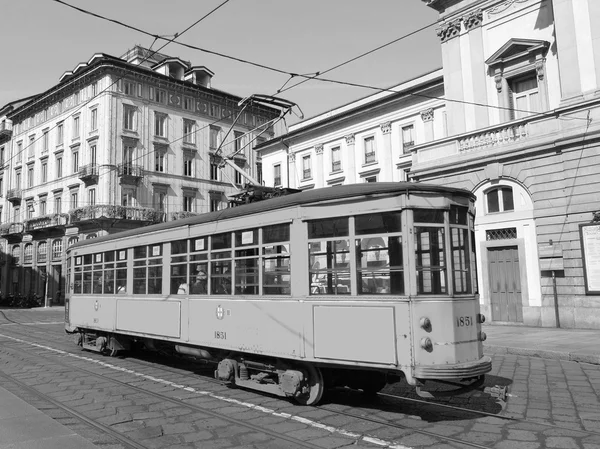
(355, 285)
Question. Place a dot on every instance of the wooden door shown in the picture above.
(505, 284)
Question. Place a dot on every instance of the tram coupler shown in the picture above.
(497, 391)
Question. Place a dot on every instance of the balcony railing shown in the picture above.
(306, 173)
(130, 173)
(46, 222)
(14, 195)
(180, 215)
(370, 157)
(6, 129)
(336, 166)
(88, 172)
(406, 146)
(494, 137)
(146, 214)
(9, 229)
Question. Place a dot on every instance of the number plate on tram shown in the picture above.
(464, 321)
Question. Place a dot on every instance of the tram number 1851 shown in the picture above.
(463, 321)
(220, 335)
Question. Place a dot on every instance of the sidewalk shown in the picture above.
(576, 345)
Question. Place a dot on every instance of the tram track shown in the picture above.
(158, 361)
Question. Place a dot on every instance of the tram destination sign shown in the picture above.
(590, 250)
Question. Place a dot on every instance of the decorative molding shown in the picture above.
(503, 7)
(473, 20)
(319, 148)
(540, 65)
(449, 30)
(292, 157)
(498, 79)
(427, 115)
(386, 127)
(350, 139)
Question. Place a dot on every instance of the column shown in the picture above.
(472, 24)
(350, 160)
(387, 166)
(427, 117)
(291, 171)
(319, 179)
(566, 42)
(453, 78)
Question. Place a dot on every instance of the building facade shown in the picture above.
(117, 143)
(520, 108)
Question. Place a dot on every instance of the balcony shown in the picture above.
(89, 173)
(5, 130)
(130, 173)
(14, 195)
(46, 223)
(93, 214)
(180, 215)
(11, 231)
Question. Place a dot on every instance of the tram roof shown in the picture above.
(290, 200)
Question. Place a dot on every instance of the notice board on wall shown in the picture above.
(590, 249)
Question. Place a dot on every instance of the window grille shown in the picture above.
(501, 234)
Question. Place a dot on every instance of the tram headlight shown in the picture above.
(481, 318)
(426, 344)
(482, 336)
(425, 323)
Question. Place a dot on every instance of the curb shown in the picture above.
(593, 359)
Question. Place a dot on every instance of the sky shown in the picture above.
(42, 39)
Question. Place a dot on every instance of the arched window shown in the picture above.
(16, 254)
(91, 236)
(28, 253)
(42, 252)
(500, 199)
(72, 241)
(57, 248)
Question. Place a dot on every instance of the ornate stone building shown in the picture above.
(117, 143)
(519, 97)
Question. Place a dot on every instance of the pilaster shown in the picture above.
(351, 159)
(427, 117)
(292, 174)
(387, 166)
(319, 177)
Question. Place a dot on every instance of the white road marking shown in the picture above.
(268, 411)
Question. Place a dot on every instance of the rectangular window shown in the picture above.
(91, 197)
(430, 252)
(75, 161)
(189, 131)
(525, 96)
(329, 257)
(45, 142)
(160, 125)
(220, 266)
(306, 167)
(59, 168)
(214, 138)
(57, 205)
(214, 169)
(129, 118)
(277, 175)
(93, 155)
(94, 88)
(94, 120)
(276, 260)
(188, 165)
(30, 178)
(31, 147)
(60, 134)
(159, 161)
(160, 96)
(408, 140)
(369, 143)
(129, 88)
(259, 176)
(74, 200)
(237, 142)
(188, 202)
(188, 103)
(43, 207)
(19, 155)
(160, 199)
(336, 162)
(76, 127)
(239, 179)
(2, 156)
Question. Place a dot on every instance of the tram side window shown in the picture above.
(379, 259)
(430, 260)
(220, 265)
(179, 260)
(461, 263)
(198, 266)
(97, 275)
(147, 269)
(329, 270)
(276, 259)
(87, 274)
(121, 272)
(246, 262)
(78, 275)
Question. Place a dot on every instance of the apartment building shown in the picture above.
(116, 144)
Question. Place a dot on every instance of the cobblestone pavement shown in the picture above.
(550, 403)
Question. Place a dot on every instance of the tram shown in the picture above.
(355, 285)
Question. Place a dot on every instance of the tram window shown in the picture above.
(220, 277)
(179, 284)
(431, 261)
(276, 269)
(428, 216)
(461, 265)
(329, 227)
(198, 244)
(147, 271)
(276, 233)
(87, 259)
(179, 247)
(459, 215)
(77, 280)
(109, 278)
(198, 278)
(383, 223)
(246, 238)
(97, 280)
(87, 279)
(329, 270)
(121, 278)
(379, 265)
(109, 256)
(221, 241)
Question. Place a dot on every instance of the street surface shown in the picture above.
(147, 401)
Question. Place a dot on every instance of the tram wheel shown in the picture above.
(316, 386)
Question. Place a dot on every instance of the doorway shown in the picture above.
(505, 284)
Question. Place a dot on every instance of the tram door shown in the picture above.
(505, 284)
